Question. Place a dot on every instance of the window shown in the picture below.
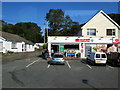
(110, 32)
(97, 55)
(91, 32)
(103, 56)
(58, 56)
(1, 46)
(14, 45)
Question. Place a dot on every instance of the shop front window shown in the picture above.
(91, 32)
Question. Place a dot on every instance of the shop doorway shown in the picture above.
(55, 48)
(88, 50)
(109, 45)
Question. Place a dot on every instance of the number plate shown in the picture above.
(98, 61)
(57, 59)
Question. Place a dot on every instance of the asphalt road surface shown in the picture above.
(36, 73)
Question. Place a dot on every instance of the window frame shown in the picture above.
(113, 32)
(14, 44)
(89, 33)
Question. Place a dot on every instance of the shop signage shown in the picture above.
(116, 41)
(61, 49)
(82, 40)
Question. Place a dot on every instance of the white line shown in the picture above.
(111, 67)
(89, 66)
(48, 66)
(68, 64)
(31, 63)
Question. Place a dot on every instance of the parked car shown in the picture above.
(113, 58)
(57, 58)
(97, 58)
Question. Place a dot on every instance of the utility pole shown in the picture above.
(47, 30)
(44, 33)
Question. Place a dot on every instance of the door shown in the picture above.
(88, 50)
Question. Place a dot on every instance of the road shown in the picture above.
(36, 73)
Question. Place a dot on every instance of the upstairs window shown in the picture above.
(110, 32)
(91, 32)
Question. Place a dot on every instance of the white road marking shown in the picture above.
(31, 63)
(48, 66)
(68, 64)
(89, 66)
(111, 67)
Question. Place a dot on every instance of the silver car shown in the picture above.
(57, 58)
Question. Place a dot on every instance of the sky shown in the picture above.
(15, 12)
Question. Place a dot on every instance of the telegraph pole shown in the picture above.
(47, 31)
(44, 33)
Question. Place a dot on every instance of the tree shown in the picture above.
(30, 31)
(27, 30)
(115, 17)
(60, 24)
(55, 17)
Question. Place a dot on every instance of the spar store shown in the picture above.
(75, 45)
(99, 34)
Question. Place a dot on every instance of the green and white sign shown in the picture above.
(61, 48)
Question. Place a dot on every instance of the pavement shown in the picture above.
(35, 72)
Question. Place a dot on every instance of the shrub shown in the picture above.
(45, 46)
(10, 52)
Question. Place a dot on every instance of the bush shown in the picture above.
(10, 52)
(45, 46)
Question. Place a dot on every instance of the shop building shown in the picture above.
(99, 34)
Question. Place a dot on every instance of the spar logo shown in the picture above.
(116, 41)
(82, 40)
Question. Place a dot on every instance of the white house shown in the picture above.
(98, 34)
(15, 43)
(38, 45)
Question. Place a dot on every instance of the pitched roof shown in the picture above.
(102, 12)
(13, 37)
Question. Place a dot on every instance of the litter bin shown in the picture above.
(46, 55)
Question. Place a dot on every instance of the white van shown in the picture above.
(97, 58)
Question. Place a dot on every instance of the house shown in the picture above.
(38, 45)
(14, 43)
(99, 34)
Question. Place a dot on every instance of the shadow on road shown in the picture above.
(87, 83)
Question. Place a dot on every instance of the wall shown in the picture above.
(100, 23)
(29, 48)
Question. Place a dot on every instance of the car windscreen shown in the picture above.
(103, 56)
(97, 55)
(58, 56)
